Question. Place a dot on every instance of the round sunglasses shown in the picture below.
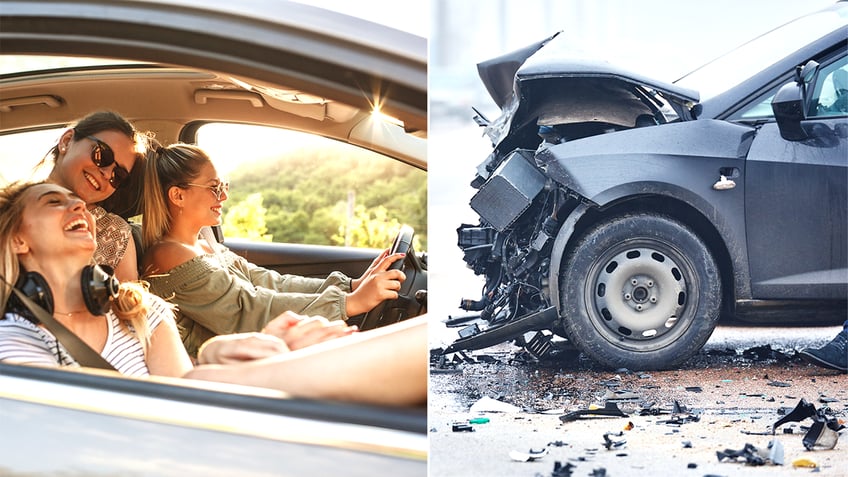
(218, 189)
(103, 156)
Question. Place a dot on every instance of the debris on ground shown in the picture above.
(611, 444)
(752, 455)
(487, 404)
(610, 409)
(461, 427)
(528, 456)
(822, 435)
(561, 470)
(804, 463)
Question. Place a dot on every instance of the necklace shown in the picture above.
(68, 314)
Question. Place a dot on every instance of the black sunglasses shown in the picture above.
(103, 156)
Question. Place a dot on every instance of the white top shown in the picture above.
(22, 341)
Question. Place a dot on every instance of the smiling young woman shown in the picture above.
(216, 291)
(96, 157)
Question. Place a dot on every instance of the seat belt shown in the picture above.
(78, 349)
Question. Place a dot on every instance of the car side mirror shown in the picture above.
(790, 103)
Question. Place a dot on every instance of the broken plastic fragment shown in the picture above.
(609, 409)
(562, 470)
(822, 435)
(807, 463)
(775, 452)
(748, 454)
(611, 444)
(532, 454)
(461, 427)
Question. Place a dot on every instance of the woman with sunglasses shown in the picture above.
(216, 291)
(47, 230)
(96, 157)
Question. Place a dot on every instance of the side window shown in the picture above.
(830, 94)
(292, 187)
(760, 109)
(21, 152)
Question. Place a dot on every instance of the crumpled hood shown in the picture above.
(551, 57)
(498, 73)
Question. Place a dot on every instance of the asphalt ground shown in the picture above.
(728, 396)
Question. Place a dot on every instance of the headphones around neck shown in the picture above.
(99, 286)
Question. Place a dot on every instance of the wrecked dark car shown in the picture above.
(629, 215)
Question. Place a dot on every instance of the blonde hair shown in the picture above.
(131, 307)
(133, 300)
(166, 167)
(11, 213)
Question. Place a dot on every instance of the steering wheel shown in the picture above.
(391, 311)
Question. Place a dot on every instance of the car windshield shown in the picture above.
(754, 56)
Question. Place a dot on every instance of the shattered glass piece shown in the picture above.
(609, 409)
(694, 389)
(779, 384)
(532, 454)
(487, 404)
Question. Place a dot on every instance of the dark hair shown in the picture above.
(125, 201)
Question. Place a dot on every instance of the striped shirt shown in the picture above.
(22, 341)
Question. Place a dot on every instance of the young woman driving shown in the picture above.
(215, 290)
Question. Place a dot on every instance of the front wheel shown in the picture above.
(639, 291)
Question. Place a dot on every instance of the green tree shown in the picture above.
(246, 219)
(305, 195)
(371, 228)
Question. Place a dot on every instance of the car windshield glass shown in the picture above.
(731, 69)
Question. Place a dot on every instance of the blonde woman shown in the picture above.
(215, 290)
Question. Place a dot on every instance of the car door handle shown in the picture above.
(726, 178)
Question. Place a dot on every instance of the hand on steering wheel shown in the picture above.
(384, 272)
(379, 283)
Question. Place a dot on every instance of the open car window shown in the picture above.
(293, 187)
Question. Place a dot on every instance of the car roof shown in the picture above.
(350, 60)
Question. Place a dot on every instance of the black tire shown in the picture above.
(640, 292)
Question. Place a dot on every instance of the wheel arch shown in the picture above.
(584, 216)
